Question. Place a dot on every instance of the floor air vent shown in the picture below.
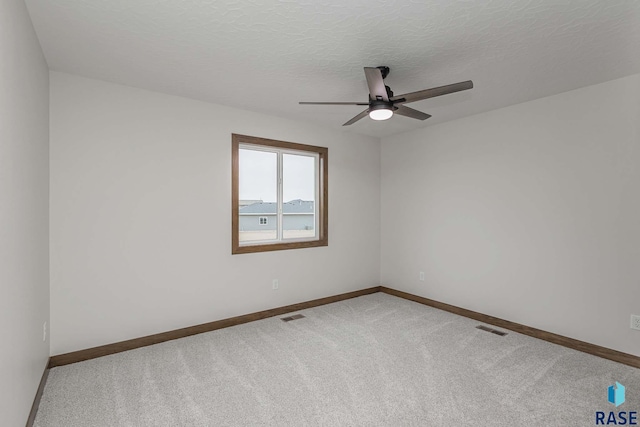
(493, 331)
(294, 317)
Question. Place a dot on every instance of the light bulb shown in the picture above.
(381, 114)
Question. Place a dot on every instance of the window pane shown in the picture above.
(258, 188)
(270, 177)
(299, 196)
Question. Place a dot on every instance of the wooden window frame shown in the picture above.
(323, 202)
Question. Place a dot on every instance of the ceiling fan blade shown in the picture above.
(358, 117)
(431, 93)
(333, 103)
(410, 112)
(377, 89)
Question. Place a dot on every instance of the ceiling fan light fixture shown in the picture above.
(383, 104)
(381, 111)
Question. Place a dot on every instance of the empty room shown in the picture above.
(305, 213)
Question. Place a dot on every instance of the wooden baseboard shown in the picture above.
(36, 400)
(105, 350)
(596, 350)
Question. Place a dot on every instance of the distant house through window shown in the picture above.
(279, 195)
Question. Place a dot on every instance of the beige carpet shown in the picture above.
(375, 360)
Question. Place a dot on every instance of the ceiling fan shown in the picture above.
(383, 104)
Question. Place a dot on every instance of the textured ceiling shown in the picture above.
(266, 55)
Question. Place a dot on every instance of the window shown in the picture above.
(279, 195)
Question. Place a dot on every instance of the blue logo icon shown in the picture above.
(616, 394)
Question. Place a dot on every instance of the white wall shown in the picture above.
(141, 215)
(530, 213)
(24, 212)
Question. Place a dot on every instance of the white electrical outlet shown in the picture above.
(635, 322)
(275, 284)
(44, 331)
(422, 276)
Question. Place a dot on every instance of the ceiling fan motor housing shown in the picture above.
(380, 105)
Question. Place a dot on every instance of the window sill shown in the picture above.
(247, 249)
